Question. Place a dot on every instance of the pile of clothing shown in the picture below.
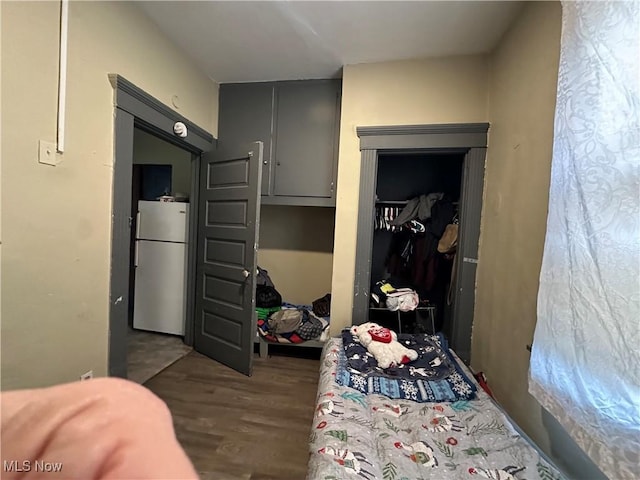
(281, 322)
(384, 294)
(425, 258)
(292, 324)
(294, 320)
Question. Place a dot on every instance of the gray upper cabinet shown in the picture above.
(305, 138)
(298, 121)
(245, 116)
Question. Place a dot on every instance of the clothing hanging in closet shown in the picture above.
(414, 255)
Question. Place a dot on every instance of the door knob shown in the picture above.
(246, 273)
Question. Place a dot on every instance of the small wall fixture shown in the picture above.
(180, 129)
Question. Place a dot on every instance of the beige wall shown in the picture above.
(296, 248)
(148, 149)
(522, 88)
(446, 90)
(513, 89)
(56, 220)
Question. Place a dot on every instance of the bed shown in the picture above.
(416, 435)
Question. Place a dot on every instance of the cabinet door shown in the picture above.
(305, 138)
(245, 115)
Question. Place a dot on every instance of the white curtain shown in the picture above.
(585, 361)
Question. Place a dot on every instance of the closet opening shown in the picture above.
(402, 165)
(417, 199)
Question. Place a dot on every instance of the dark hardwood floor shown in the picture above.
(238, 427)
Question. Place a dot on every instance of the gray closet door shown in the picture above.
(229, 204)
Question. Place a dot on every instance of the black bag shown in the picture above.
(322, 306)
(267, 297)
(264, 278)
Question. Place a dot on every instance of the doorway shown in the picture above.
(157, 272)
(462, 143)
(138, 113)
(417, 197)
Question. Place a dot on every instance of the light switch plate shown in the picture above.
(47, 153)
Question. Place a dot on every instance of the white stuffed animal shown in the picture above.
(383, 344)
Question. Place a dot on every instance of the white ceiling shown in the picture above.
(247, 41)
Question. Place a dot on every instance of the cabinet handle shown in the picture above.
(264, 162)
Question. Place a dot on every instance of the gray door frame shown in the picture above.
(134, 108)
(468, 138)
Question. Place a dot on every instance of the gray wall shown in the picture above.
(148, 149)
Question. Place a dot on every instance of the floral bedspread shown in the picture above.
(358, 436)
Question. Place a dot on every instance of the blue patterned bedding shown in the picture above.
(433, 377)
(358, 436)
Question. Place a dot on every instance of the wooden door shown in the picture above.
(229, 213)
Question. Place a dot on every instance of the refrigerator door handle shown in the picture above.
(135, 257)
(138, 225)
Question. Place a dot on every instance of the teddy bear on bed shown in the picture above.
(383, 344)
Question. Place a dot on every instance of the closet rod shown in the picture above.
(391, 202)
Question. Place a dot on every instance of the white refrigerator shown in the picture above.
(161, 264)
